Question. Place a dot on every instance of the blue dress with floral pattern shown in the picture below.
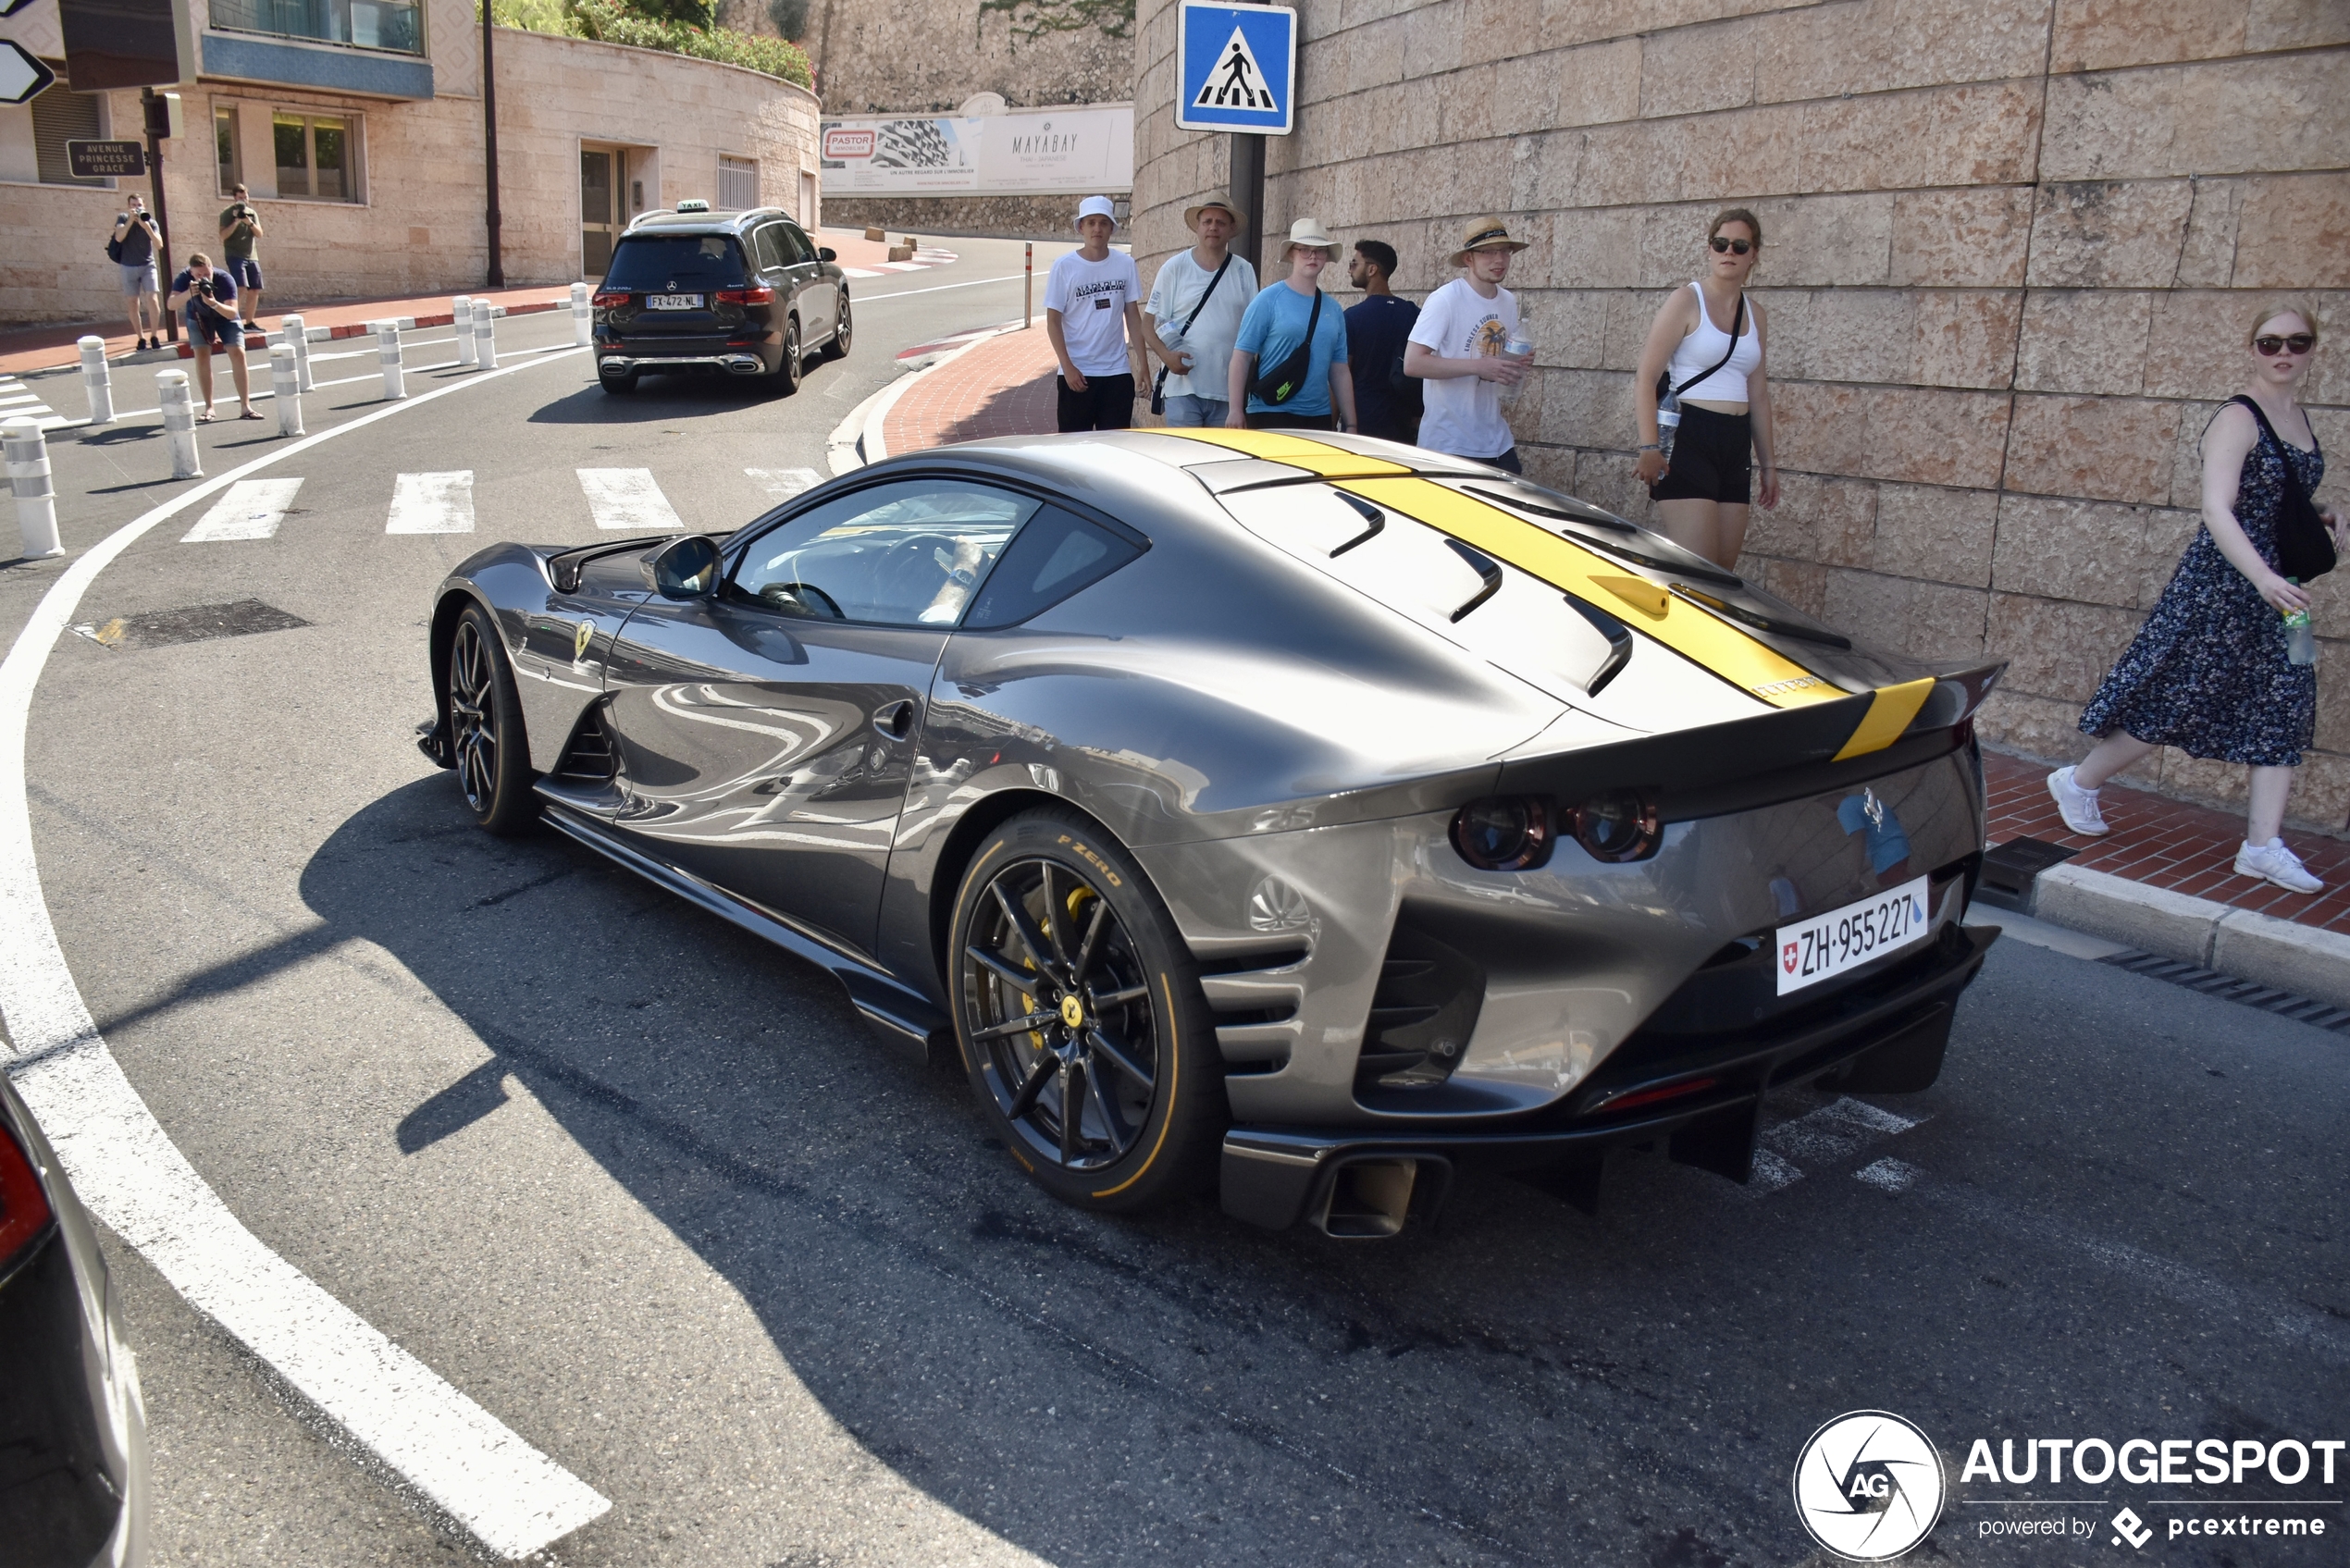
(2207, 672)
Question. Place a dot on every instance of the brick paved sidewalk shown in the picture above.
(1002, 388)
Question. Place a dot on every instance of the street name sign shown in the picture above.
(105, 160)
(21, 76)
(1236, 68)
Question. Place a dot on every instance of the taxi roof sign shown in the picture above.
(1236, 68)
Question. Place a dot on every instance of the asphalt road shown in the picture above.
(653, 1196)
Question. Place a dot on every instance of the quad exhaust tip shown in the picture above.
(1372, 1199)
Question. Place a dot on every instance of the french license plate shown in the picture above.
(1828, 944)
(672, 302)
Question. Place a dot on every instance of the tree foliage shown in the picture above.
(658, 24)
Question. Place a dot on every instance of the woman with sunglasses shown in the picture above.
(2208, 673)
(1702, 494)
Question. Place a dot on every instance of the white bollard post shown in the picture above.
(298, 339)
(285, 386)
(387, 350)
(179, 423)
(583, 317)
(95, 381)
(486, 334)
(27, 453)
(462, 307)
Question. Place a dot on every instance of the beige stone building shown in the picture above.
(2011, 245)
(363, 150)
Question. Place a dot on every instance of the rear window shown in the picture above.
(679, 261)
(1054, 557)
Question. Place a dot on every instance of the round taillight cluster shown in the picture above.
(1515, 833)
(1620, 825)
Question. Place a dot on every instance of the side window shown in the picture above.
(902, 554)
(795, 244)
(1057, 554)
(768, 246)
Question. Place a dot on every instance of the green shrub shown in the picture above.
(616, 22)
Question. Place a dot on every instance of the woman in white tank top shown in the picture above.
(1703, 495)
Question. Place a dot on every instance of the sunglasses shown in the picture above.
(1731, 247)
(2299, 344)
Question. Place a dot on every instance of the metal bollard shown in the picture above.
(387, 350)
(583, 317)
(298, 340)
(486, 334)
(27, 458)
(96, 382)
(462, 308)
(285, 387)
(179, 423)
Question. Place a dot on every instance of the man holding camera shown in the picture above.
(240, 228)
(135, 247)
(210, 300)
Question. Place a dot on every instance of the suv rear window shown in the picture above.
(681, 261)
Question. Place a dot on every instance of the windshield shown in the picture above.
(675, 261)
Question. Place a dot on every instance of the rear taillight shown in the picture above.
(1618, 826)
(762, 295)
(1651, 1096)
(1503, 832)
(611, 302)
(25, 1217)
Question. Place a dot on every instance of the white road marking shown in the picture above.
(783, 483)
(251, 509)
(1887, 1175)
(432, 503)
(627, 498)
(1771, 1173)
(476, 1470)
(1832, 1131)
(857, 272)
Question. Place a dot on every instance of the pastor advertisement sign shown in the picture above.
(1043, 152)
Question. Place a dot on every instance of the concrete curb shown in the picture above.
(2240, 943)
(857, 441)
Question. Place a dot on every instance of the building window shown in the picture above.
(60, 116)
(396, 25)
(224, 147)
(316, 158)
(737, 183)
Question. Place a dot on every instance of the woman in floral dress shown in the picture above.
(2208, 672)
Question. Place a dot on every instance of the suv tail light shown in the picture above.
(761, 295)
(24, 1208)
(611, 302)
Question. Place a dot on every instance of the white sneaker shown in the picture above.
(2273, 862)
(2078, 807)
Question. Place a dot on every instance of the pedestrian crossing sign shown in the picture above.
(1237, 68)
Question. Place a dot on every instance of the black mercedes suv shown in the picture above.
(745, 293)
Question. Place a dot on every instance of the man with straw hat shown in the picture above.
(1195, 310)
(1289, 362)
(1094, 316)
(1458, 347)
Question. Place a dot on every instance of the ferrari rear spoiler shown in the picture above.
(1716, 768)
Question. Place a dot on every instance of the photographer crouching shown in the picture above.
(210, 300)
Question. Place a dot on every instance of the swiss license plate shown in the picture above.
(1826, 946)
(672, 302)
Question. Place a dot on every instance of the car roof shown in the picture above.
(665, 222)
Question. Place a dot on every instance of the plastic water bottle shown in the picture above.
(1668, 423)
(1520, 345)
(2300, 634)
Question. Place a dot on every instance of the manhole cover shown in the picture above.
(196, 623)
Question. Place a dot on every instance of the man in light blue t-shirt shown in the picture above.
(1321, 395)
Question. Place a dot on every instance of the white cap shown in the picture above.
(1097, 206)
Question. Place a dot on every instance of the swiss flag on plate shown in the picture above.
(1787, 957)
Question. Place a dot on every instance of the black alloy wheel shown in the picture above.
(842, 331)
(789, 369)
(1079, 1015)
(486, 738)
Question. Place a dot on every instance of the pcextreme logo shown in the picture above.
(1868, 1485)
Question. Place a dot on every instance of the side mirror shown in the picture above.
(684, 568)
(826, 253)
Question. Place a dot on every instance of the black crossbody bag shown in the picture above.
(1159, 385)
(2305, 546)
(1282, 382)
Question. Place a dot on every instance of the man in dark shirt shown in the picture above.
(209, 296)
(134, 234)
(1387, 403)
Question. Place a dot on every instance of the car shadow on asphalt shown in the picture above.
(657, 398)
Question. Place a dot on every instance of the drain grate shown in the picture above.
(2009, 871)
(2324, 1015)
(196, 623)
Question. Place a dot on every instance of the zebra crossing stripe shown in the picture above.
(781, 484)
(432, 503)
(250, 509)
(627, 498)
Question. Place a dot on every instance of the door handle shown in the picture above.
(896, 722)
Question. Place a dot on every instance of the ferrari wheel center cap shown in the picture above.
(1072, 1011)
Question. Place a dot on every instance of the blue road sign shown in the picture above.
(1236, 68)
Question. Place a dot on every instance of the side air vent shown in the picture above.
(1255, 997)
(590, 759)
(1422, 1014)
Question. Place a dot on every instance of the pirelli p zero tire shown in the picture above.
(1079, 1015)
(486, 739)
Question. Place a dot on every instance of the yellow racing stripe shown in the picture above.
(1889, 714)
(1298, 452)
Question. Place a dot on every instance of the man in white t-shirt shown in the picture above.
(1093, 311)
(1188, 282)
(1457, 348)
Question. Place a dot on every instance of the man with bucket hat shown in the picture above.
(1093, 311)
(1289, 362)
(1195, 306)
(1458, 347)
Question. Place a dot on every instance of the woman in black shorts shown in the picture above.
(1701, 497)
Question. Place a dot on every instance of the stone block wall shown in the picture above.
(2012, 246)
(929, 55)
